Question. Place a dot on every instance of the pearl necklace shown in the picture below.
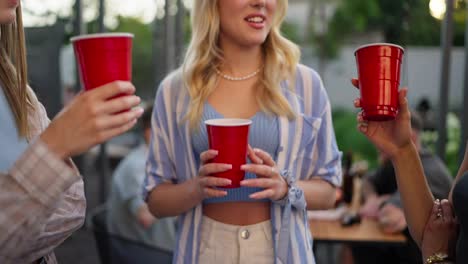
(242, 78)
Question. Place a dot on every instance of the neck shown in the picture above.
(238, 60)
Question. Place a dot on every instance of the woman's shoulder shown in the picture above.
(172, 93)
(304, 72)
(307, 81)
(172, 83)
(172, 88)
(310, 89)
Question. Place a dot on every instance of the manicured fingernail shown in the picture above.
(243, 167)
(228, 166)
(215, 152)
(256, 150)
(139, 110)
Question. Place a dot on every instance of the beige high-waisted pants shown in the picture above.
(231, 244)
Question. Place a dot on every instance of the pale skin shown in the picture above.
(242, 51)
(394, 139)
(8, 11)
(91, 118)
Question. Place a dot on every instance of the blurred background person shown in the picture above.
(426, 112)
(382, 202)
(128, 215)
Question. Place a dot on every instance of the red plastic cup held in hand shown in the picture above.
(378, 67)
(103, 58)
(229, 136)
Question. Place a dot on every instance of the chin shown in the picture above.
(256, 42)
(7, 17)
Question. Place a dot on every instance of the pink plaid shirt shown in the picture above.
(41, 199)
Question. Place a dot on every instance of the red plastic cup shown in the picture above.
(378, 67)
(103, 58)
(229, 136)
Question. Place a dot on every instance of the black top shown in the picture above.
(384, 179)
(460, 205)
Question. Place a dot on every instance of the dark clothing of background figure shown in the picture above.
(460, 199)
(384, 182)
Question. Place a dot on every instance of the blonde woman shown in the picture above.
(41, 193)
(239, 66)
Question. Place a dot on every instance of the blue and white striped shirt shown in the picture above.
(307, 150)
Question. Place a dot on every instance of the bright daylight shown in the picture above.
(233, 131)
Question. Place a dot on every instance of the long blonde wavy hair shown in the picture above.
(204, 55)
(13, 71)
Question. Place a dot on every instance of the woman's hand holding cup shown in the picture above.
(206, 183)
(91, 118)
(388, 136)
(268, 176)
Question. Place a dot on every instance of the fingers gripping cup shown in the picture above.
(103, 58)
(378, 67)
(229, 137)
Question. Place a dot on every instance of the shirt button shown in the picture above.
(245, 234)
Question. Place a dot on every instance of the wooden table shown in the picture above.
(367, 231)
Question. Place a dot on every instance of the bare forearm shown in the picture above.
(318, 193)
(169, 199)
(415, 193)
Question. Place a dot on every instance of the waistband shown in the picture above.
(220, 226)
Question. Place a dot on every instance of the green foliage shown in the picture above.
(351, 16)
(405, 22)
(143, 69)
(459, 18)
(429, 139)
(350, 139)
(290, 32)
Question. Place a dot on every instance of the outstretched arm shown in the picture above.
(394, 139)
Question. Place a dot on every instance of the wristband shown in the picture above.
(295, 195)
